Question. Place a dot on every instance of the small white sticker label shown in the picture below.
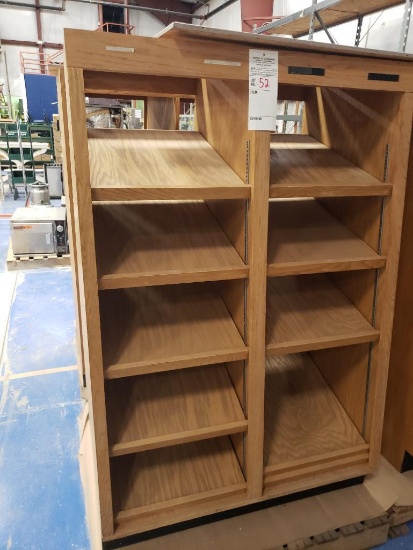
(263, 90)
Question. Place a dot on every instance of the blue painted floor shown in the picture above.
(41, 498)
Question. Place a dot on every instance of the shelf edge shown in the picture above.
(325, 266)
(169, 193)
(175, 503)
(136, 280)
(280, 191)
(120, 449)
(322, 343)
(177, 362)
(316, 469)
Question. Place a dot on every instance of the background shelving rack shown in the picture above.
(235, 290)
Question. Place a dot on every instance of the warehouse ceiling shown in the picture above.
(184, 7)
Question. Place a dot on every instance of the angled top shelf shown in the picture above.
(158, 164)
(161, 328)
(303, 417)
(303, 237)
(308, 312)
(162, 409)
(161, 243)
(303, 167)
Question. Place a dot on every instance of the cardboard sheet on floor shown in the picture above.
(267, 528)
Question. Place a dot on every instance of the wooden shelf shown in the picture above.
(303, 167)
(303, 237)
(162, 409)
(308, 312)
(167, 327)
(158, 243)
(168, 478)
(158, 164)
(305, 423)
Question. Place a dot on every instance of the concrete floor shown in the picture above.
(41, 498)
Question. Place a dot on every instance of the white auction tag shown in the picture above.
(263, 90)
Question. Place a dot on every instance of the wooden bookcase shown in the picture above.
(235, 289)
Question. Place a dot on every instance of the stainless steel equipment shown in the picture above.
(41, 230)
(53, 177)
(39, 194)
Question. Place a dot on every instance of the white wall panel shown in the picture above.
(13, 64)
(145, 24)
(17, 24)
(229, 18)
(76, 16)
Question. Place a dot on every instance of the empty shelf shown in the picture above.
(308, 312)
(304, 421)
(166, 327)
(158, 243)
(303, 237)
(158, 164)
(303, 167)
(162, 409)
(170, 477)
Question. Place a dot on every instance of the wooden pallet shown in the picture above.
(35, 261)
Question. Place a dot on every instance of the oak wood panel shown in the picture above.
(82, 218)
(256, 313)
(170, 473)
(147, 164)
(221, 113)
(159, 328)
(305, 238)
(400, 144)
(360, 214)
(345, 10)
(304, 167)
(158, 243)
(303, 417)
(67, 173)
(345, 370)
(308, 312)
(169, 403)
(358, 287)
(333, 114)
(398, 417)
(233, 294)
(199, 507)
(319, 468)
(161, 113)
(209, 59)
(178, 30)
(97, 84)
(232, 218)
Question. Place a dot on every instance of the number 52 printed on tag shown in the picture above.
(263, 90)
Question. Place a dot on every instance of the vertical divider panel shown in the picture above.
(88, 287)
(61, 94)
(259, 178)
(400, 128)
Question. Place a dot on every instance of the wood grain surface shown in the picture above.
(158, 243)
(168, 404)
(305, 238)
(304, 167)
(165, 474)
(161, 328)
(303, 417)
(308, 312)
(153, 164)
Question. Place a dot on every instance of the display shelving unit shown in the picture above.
(235, 289)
